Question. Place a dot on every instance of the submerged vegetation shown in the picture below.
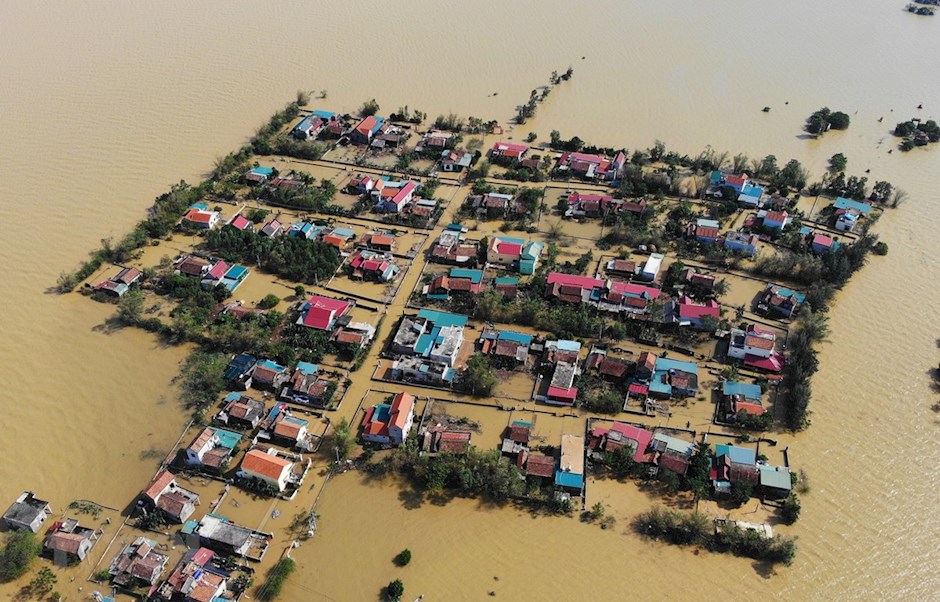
(824, 119)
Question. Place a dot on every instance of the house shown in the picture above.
(739, 241)
(705, 231)
(267, 466)
(740, 398)
(736, 181)
(420, 370)
(305, 230)
(395, 195)
(570, 472)
(843, 204)
(847, 220)
(756, 347)
(673, 378)
(493, 205)
(212, 448)
(564, 355)
(241, 411)
(821, 244)
(352, 336)
(138, 564)
(775, 482)
(258, 175)
(780, 301)
(239, 369)
(434, 141)
(306, 387)
(513, 347)
(195, 579)
(372, 266)
(588, 205)
(508, 153)
(687, 312)
(751, 195)
(229, 539)
(620, 268)
(165, 495)
(365, 130)
(458, 280)
(68, 541)
(618, 296)
(572, 288)
(390, 423)
(733, 464)
(201, 219)
(529, 259)
(339, 237)
(379, 241)
(697, 280)
(435, 335)
(361, 184)
(540, 465)
(120, 283)
(321, 312)
(292, 431)
(271, 229)
(645, 366)
(455, 161)
(240, 222)
(671, 453)
(508, 286)
(504, 250)
(267, 375)
(619, 436)
(445, 441)
(776, 220)
(590, 166)
(652, 266)
(27, 513)
(289, 181)
(308, 128)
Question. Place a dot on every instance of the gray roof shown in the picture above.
(26, 509)
(777, 477)
(227, 533)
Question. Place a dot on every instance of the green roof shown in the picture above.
(777, 477)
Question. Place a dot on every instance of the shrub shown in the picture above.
(395, 590)
(880, 248)
(790, 509)
(16, 556)
(271, 588)
(270, 300)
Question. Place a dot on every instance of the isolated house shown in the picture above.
(508, 153)
(69, 540)
(201, 219)
(390, 423)
(27, 513)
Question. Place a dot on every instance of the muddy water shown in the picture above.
(102, 106)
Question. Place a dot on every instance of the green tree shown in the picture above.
(369, 108)
(790, 509)
(131, 306)
(839, 120)
(403, 557)
(395, 590)
(42, 583)
(17, 554)
(270, 300)
(342, 439)
(478, 379)
(837, 163)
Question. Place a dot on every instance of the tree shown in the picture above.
(403, 557)
(837, 163)
(741, 493)
(478, 379)
(369, 108)
(395, 590)
(270, 300)
(839, 120)
(131, 306)
(16, 556)
(42, 583)
(342, 439)
(790, 509)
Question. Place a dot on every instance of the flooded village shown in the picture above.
(454, 310)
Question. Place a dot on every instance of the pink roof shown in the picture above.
(509, 248)
(403, 193)
(576, 197)
(373, 264)
(774, 363)
(584, 282)
(822, 240)
(628, 288)
(638, 389)
(692, 309)
(566, 394)
(736, 180)
(641, 436)
(776, 216)
(218, 270)
(509, 148)
(323, 310)
(241, 222)
(585, 157)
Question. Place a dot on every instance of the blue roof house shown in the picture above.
(529, 260)
(843, 203)
(749, 391)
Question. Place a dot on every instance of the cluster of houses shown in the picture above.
(212, 272)
(582, 205)
(708, 232)
(392, 196)
(332, 315)
(614, 296)
(661, 449)
(587, 166)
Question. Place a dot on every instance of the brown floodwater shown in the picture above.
(102, 106)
